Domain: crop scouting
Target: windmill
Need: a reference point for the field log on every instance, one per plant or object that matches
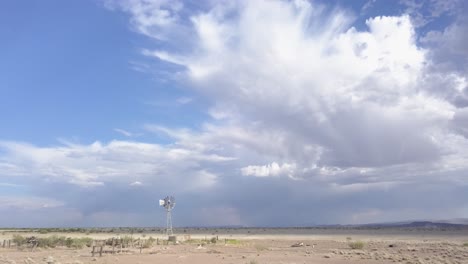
(168, 203)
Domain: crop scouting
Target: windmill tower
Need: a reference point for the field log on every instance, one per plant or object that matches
(168, 203)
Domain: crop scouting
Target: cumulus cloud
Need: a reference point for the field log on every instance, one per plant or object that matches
(286, 76)
(292, 79)
(272, 169)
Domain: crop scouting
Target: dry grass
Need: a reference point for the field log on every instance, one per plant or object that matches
(260, 247)
(356, 245)
(56, 241)
(233, 242)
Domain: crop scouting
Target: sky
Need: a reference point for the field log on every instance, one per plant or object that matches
(250, 113)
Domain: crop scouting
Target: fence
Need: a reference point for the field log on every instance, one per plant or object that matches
(112, 245)
(7, 243)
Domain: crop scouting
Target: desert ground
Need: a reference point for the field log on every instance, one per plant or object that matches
(249, 246)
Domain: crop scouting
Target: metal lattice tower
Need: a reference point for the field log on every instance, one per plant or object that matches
(168, 203)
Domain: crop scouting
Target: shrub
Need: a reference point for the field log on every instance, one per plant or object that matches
(52, 241)
(213, 240)
(233, 241)
(193, 241)
(126, 240)
(356, 245)
(19, 240)
(48, 242)
(56, 241)
(149, 243)
(465, 244)
(81, 242)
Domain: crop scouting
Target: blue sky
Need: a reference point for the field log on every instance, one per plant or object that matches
(339, 111)
(69, 74)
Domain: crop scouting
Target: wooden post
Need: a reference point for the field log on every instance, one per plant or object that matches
(100, 251)
(33, 247)
(157, 241)
(113, 246)
(9, 243)
(121, 244)
(92, 252)
(4, 242)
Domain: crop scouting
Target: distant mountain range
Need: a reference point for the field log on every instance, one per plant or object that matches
(451, 223)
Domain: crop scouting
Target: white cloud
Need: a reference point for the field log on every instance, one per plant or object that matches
(28, 203)
(303, 88)
(136, 183)
(312, 91)
(123, 132)
(273, 169)
(97, 164)
(150, 17)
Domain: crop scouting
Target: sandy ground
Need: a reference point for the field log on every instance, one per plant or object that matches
(269, 246)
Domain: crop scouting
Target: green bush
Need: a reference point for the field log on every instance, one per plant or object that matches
(81, 242)
(356, 245)
(465, 244)
(52, 241)
(233, 242)
(213, 240)
(19, 240)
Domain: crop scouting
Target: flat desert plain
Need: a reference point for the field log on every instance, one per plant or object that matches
(259, 245)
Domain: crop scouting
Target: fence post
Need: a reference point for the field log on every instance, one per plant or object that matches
(100, 251)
